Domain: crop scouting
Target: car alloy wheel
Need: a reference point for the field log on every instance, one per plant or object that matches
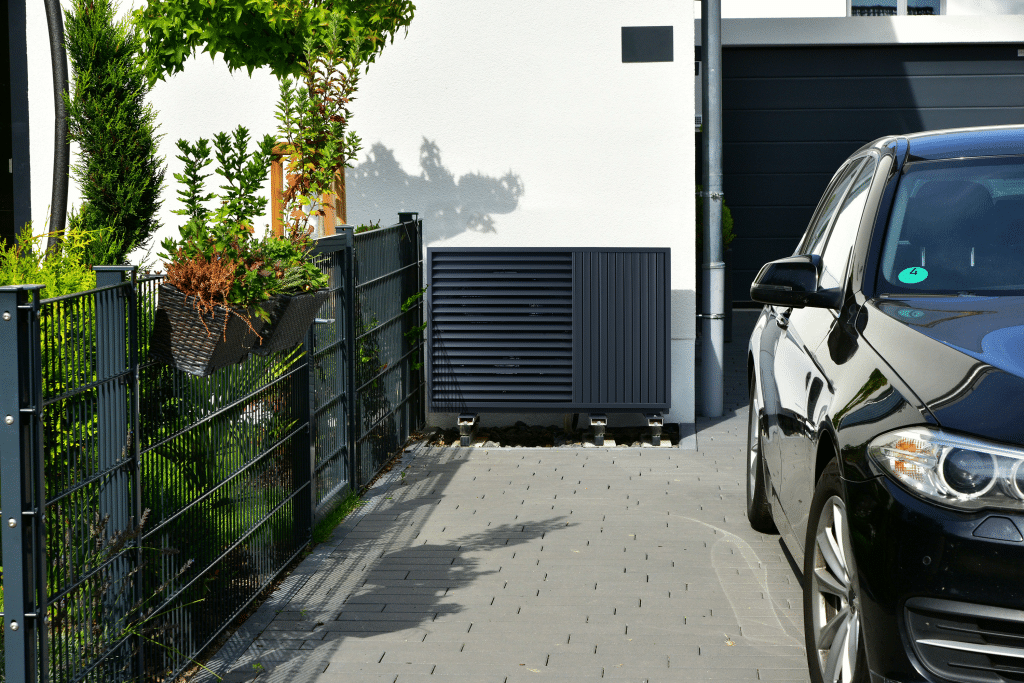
(759, 511)
(832, 621)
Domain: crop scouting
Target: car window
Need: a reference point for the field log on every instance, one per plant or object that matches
(818, 230)
(836, 253)
(956, 227)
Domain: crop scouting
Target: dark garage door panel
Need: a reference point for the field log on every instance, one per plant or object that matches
(867, 92)
(766, 190)
(791, 115)
(889, 60)
(803, 125)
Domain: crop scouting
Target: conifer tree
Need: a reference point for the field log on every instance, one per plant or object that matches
(118, 169)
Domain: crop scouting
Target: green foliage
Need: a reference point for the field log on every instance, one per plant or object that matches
(414, 334)
(196, 157)
(243, 175)
(326, 526)
(366, 228)
(118, 168)
(727, 233)
(313, 117)
(217, 258)
(274, 33)
(62, 271)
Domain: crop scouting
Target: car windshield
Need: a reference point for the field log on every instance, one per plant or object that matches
(957, 227)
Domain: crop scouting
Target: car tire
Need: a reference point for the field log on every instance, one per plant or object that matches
(832, 618)
(759, 509)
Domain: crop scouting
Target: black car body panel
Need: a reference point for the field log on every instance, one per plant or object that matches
(832, 380)
(963, 355)
(907, 548)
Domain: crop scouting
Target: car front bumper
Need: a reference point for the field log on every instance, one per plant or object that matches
(941, 592)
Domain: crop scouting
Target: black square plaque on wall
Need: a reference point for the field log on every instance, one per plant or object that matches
(646, 44)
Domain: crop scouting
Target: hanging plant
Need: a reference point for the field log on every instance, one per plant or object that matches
(227, 291)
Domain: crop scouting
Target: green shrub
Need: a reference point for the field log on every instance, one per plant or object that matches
(63, 270)
(118, 168)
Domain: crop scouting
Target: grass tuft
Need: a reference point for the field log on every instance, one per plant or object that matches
(323, 530)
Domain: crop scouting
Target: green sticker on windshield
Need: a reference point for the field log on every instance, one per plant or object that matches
(912, 276)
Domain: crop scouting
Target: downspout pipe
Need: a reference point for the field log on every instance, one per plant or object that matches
(713, 321)
(61, 145)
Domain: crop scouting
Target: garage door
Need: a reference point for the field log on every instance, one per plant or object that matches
(791, 115)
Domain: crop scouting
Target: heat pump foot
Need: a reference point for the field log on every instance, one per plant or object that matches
(655, 422)
(467, 425)
(598, 422)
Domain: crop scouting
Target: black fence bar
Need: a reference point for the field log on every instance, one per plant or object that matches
(145, 508)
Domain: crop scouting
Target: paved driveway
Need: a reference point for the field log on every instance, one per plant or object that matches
(542, 564)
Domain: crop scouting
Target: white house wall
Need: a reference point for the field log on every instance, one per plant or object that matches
(510, 124)
(502, 124)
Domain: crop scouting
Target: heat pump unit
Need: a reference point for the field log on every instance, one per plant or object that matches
(566, 330)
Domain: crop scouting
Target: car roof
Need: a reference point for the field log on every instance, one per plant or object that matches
(956, 143)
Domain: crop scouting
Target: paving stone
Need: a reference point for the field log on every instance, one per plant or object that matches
(508, 565)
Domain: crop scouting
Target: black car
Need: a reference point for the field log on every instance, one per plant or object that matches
(886, 430)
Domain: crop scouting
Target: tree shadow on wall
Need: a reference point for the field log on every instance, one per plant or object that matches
(378, 188)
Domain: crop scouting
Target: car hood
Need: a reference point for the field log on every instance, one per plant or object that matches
(962, 356)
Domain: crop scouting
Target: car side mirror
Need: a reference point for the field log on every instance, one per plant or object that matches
(793, 283)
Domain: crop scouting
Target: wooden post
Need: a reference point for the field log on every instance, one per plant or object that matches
(341, 200)
(277, 189)
(335, 208)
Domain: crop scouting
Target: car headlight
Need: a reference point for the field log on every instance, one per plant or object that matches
(955, 470)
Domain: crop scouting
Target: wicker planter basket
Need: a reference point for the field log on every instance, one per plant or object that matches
(290, 318)
(181, 339)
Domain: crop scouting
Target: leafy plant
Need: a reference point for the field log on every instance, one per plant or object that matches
(313, 116)
(118, 168)
(413, 334)
(217, 260)
(366, 228)
(273, 33)
(62, 271)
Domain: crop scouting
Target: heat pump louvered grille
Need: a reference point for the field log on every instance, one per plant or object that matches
(502, 328)
(548, 329)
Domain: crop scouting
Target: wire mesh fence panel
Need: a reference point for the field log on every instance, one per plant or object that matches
(330, 376)
(89, 585)
(151, 506)
(388, 319)
(218, 466)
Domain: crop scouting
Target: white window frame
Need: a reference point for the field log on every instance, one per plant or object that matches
(901, 8)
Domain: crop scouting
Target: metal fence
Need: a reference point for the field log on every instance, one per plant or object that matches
(388, 326)
(146, 508)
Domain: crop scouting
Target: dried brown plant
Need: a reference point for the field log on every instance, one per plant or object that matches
(206, 283)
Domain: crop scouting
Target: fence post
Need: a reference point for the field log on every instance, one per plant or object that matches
(347, 258)
(417, 414)
(22, 489)
(120, 497)
(339, 333)
(113, 418)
